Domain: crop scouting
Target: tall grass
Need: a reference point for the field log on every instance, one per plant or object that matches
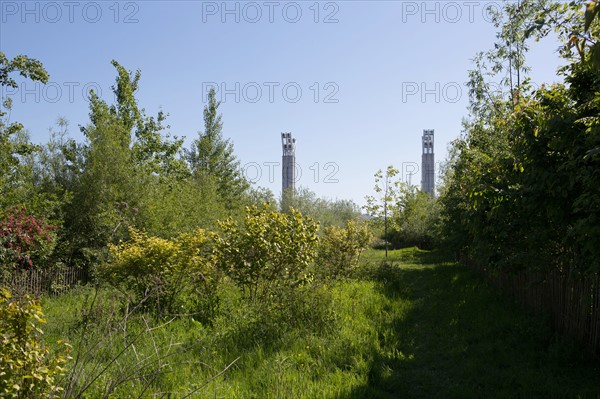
(413, 327)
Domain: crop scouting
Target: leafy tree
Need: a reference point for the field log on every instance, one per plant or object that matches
(418, 222)
(18, 183)
(521, 191)
(385, 200)
(211, 156)
(409, 217)
(59, 162)
(178, 206)
(260, 196)
(125, 158)
(326, 212)
(107, 180)
(11, 149)
(156, 154)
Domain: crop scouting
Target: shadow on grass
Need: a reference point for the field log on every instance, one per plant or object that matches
(462, 340)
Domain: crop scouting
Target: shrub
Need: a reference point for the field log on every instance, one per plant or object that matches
(417, 224)
(26, 241)
(270, 249)
(169, 275)
(27, 368)
(340, 249)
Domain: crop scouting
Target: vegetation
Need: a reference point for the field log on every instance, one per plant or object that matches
(11, 148)
(340, 249)
(415, 326)
(404, 215)
(522, 191)
(25, 241)
(272, 250)
(326, 212)
(211, 156)
(28, 368)
(204, 286)
(170, 276)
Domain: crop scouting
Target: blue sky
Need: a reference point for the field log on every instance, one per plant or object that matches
(356, 82)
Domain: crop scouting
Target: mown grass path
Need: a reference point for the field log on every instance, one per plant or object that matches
(461, 339)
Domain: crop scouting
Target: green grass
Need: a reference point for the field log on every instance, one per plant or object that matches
(416, 327)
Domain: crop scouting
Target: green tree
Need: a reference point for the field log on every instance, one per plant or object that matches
(327, 212)
(126, 156)
(211, 156)
(408, 216)
(107, 181)
(178, 206)
(260, 195)
(417, 222)
(381, 206)
(58, 164)
(10, 148)
(522, 191)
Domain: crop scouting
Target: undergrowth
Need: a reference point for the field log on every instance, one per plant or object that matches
(414, 326)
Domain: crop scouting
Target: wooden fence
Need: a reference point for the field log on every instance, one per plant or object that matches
(51, 282)
(572, 302)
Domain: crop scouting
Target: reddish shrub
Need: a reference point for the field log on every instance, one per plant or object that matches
(25, 239)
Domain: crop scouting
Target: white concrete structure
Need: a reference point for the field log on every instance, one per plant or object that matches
(428, 164)
(288, 162)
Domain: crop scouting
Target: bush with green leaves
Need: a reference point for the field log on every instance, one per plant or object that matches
(340, 249)
(404, 215)
(175, 275)
(417, 223)
(521, 190)
(267, 250)
(28, 369)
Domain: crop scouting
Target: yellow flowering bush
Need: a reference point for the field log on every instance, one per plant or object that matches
(340, 249)
(175, 275)
(270, 249)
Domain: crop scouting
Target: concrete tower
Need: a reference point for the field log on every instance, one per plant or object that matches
(428, 164)
(288, 161)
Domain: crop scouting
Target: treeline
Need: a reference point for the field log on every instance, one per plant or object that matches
(64, 202)
(522, 187)
(521, 201)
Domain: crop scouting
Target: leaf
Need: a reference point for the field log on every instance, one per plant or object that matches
(590, 13)
(591, 153)
(595, 56)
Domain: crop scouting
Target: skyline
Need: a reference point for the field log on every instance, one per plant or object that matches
(355, 82)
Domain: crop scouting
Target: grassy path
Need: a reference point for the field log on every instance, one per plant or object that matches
(460, 339)
(418, 328)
